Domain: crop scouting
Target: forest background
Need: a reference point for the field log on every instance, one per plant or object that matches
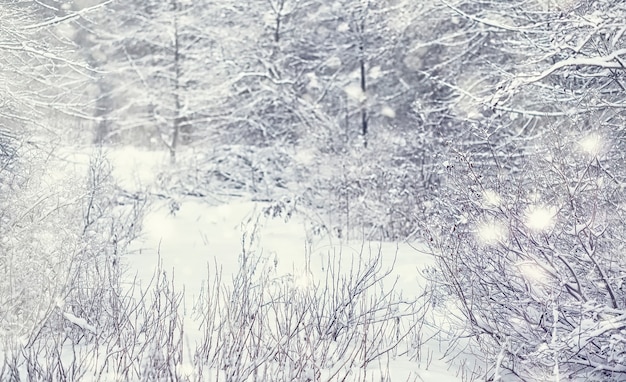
(492, 131)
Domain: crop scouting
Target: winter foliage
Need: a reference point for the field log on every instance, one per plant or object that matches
(484, 138)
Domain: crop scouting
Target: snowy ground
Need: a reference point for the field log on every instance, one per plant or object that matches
(199, 234)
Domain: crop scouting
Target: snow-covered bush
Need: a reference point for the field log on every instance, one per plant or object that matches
(64, 232)
(528, 226)
(108, 222)
(39, 238)
(371, 193)
(232, 170)
(534, 257)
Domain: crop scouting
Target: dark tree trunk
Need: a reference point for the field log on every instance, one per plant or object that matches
(362, 59)
(278, 10)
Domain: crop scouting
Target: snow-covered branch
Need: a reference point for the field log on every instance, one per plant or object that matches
(80, 322)
(491, 23)
(71, 16)
(610, 61)
(23, 47)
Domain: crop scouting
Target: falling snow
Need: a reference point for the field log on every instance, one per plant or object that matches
(592, 144)
(533, 272)
(491, 232)
(311, 137)
(491, 199)
(540, 218)
(388, 112)
(355, 92)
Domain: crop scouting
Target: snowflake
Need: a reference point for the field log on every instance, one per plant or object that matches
(592, 144)
(388, 112)
(491, 199)
(376, 72)
(355, 92)
(540, 218)
(491, 232)
(533, 272)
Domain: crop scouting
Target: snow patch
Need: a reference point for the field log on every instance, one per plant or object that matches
(80, 322)
(313, 81)
(376, 72)
(135, 169)
(333, 62)
(305, 156)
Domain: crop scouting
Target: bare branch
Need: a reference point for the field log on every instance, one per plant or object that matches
(71, 16)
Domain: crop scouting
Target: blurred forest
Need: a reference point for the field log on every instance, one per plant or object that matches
(492, 130)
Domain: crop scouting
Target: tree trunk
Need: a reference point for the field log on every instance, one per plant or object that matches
(364, 90)
(178, 118)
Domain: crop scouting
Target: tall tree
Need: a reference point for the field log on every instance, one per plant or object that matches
(156, 63)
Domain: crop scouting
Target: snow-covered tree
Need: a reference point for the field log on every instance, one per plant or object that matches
(41, 76)
(155, 59)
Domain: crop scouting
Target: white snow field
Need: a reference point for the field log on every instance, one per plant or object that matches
(200, 234)
(237, 242)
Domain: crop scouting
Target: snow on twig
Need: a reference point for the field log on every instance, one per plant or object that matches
(80, 322)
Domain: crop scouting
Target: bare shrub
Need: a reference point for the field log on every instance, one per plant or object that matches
(62, 260)
(303, 327)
